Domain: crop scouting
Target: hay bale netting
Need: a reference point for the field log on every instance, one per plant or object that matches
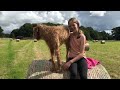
(103, 42)
(87, 47)
(35, 40)
(40, 69)
(17, 40)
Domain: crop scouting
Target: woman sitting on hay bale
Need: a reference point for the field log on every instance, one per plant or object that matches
(77, 60)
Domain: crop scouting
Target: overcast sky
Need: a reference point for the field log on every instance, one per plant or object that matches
(99, 20)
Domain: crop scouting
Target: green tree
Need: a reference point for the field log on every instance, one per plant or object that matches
(93, 33)
(1, 31)
(52, 24)
(86, 32)
(24, 31)
(116, 33)
(14, 33)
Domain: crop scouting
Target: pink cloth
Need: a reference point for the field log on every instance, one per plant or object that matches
(92, 62)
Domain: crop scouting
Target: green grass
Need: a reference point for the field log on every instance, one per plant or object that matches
(21, 61)
(15, 57)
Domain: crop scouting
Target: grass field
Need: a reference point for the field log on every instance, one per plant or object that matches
(15, 57)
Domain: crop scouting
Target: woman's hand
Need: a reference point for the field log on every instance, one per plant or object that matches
(67, 65)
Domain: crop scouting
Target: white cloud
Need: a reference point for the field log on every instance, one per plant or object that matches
(97, 13)
(108, 31)
(10, 20)
(65, 22)
(7, 29)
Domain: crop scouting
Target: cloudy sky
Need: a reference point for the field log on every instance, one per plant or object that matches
(99, 20)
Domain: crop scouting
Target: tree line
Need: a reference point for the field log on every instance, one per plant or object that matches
(26, 31)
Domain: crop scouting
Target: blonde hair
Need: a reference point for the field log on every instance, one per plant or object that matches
(78, 25)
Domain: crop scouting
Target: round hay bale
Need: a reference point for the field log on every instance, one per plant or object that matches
(11, 39)
(35, 40)
(96, 40)
(40, 69)
(87, 47)
(17, 40)
(93, 40)
(103, 42)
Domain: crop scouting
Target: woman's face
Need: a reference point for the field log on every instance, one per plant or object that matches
(73, 27)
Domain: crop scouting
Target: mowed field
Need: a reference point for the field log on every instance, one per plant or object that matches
(15, 57)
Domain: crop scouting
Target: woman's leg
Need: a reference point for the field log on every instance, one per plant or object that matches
(82, 68)
(73, 70)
